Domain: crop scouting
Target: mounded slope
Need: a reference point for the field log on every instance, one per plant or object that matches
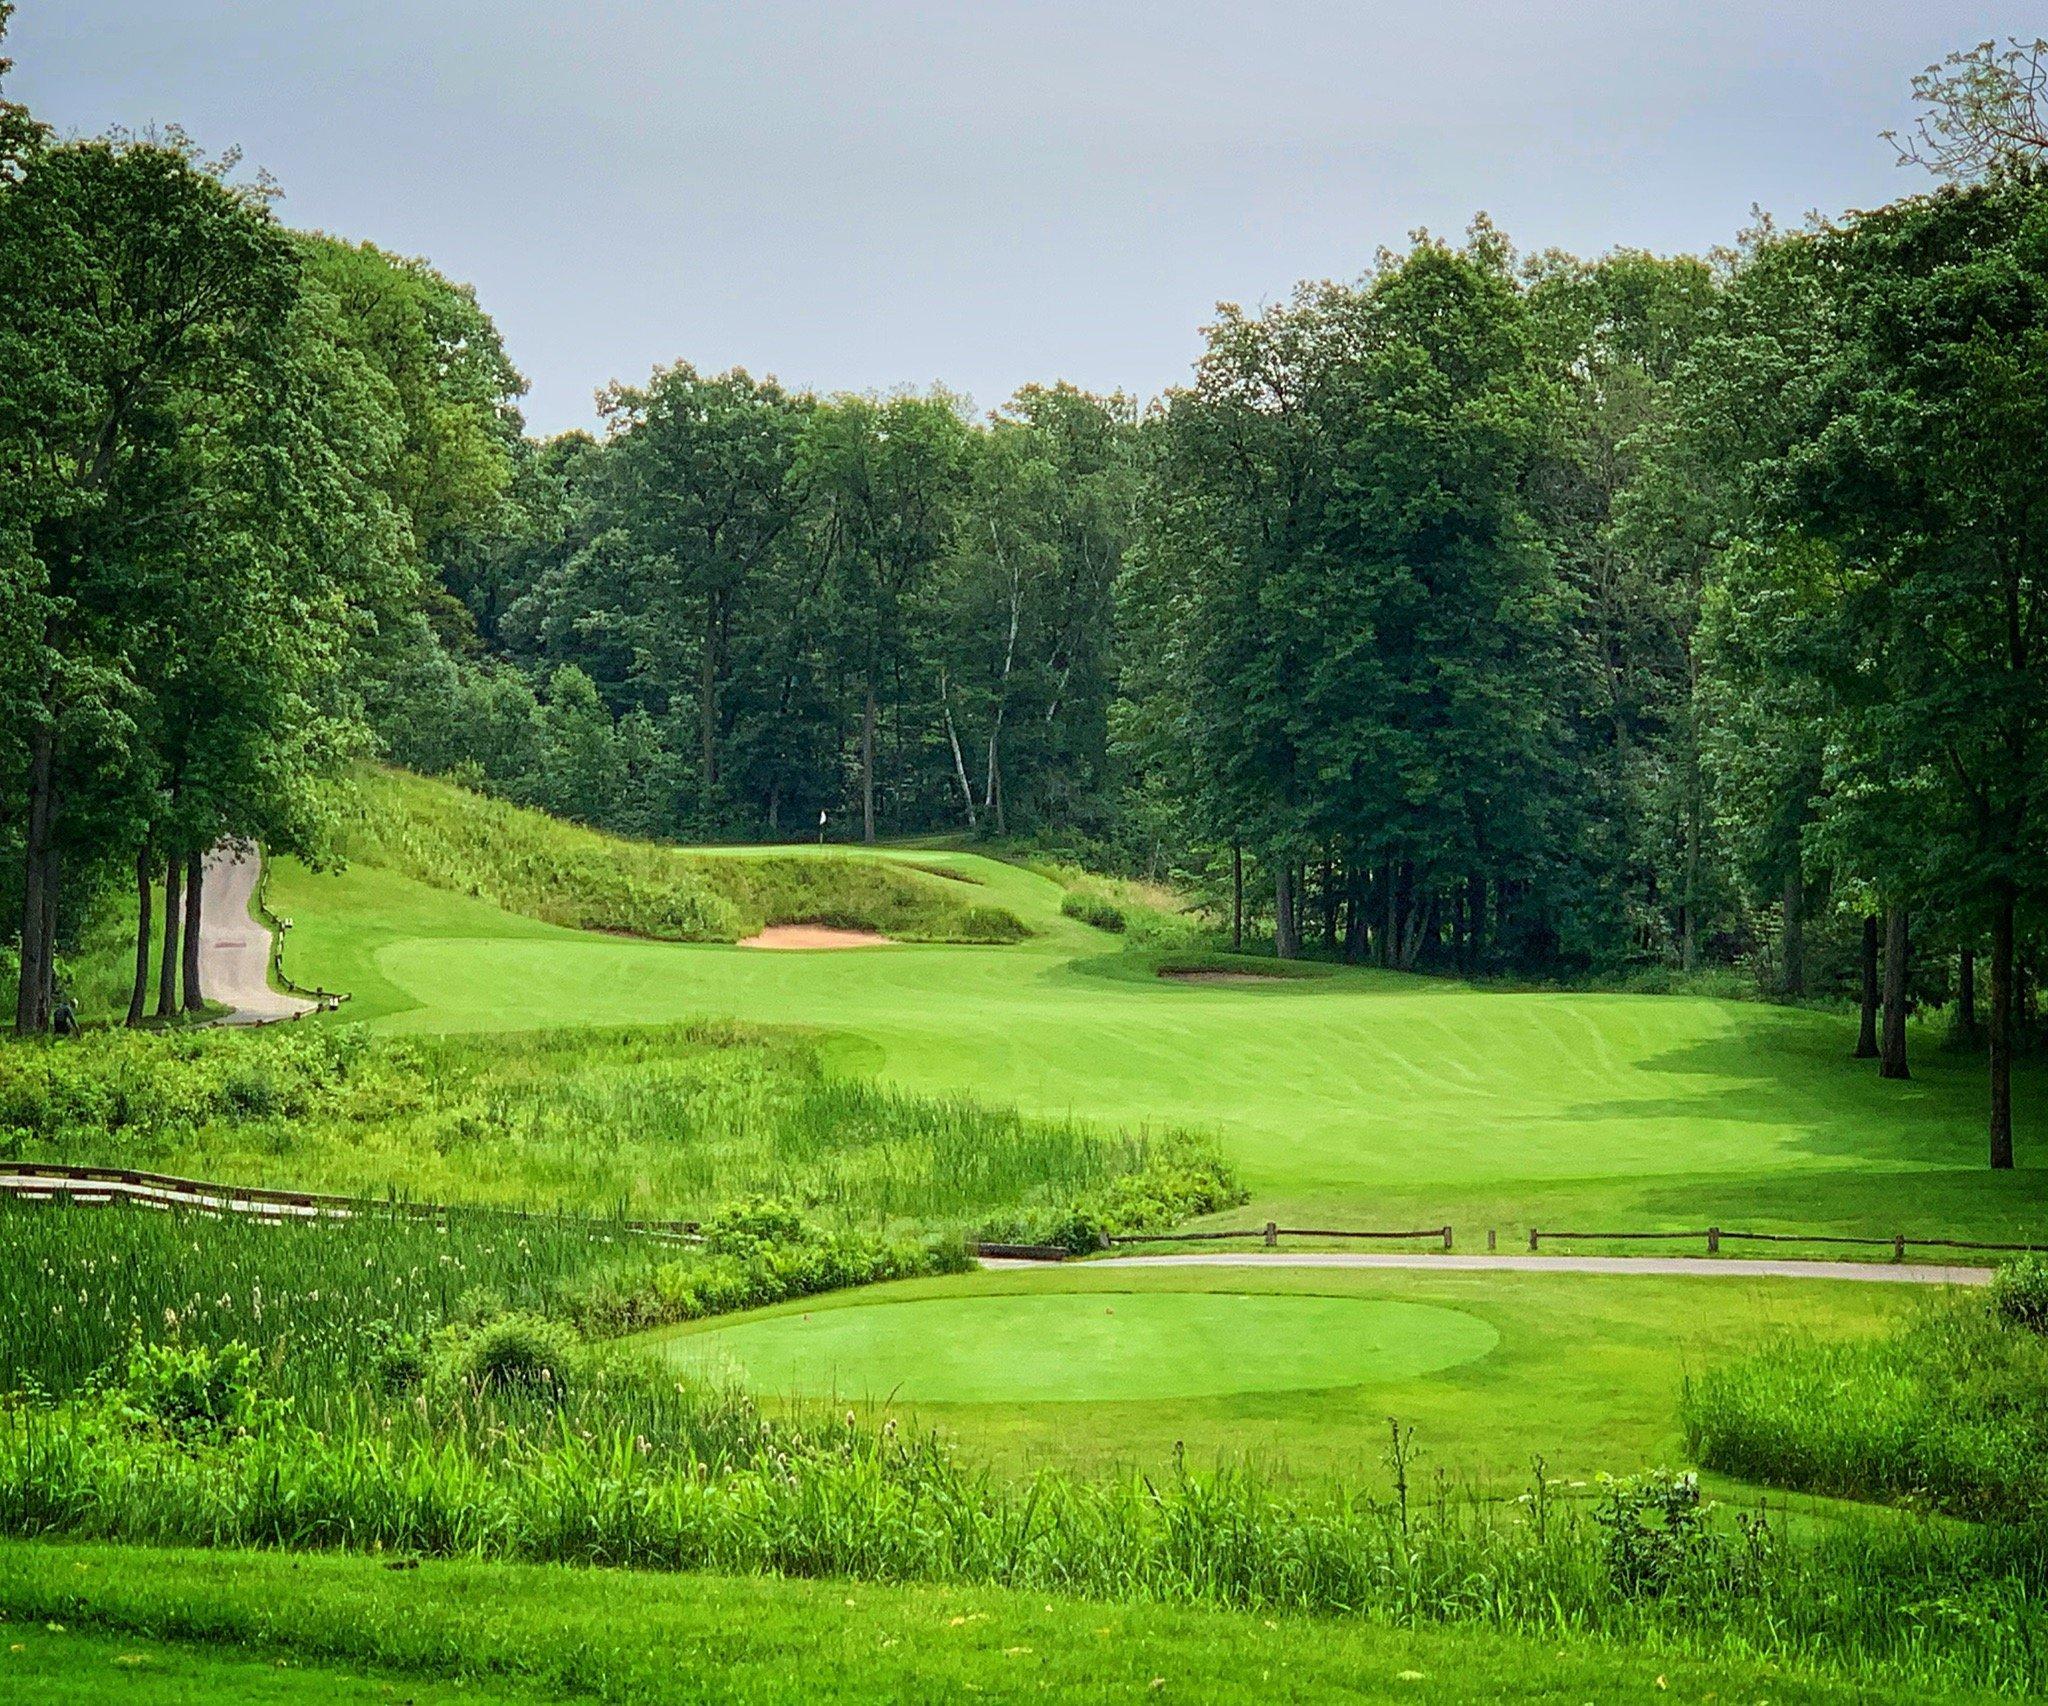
(562, 873)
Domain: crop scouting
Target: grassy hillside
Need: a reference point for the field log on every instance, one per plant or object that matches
(561, 873)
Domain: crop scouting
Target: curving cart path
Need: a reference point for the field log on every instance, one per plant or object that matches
(234, 947)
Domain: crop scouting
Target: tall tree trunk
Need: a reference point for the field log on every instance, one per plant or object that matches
(145, 892)
(1892, 1058)
(991, 799)
(1475, 914)
(707, 705)
(1866, 1034)
(1236, 897)
(1795, 930)
(195, 872)
(1286, 943)
(38, 904)
(2001, 1025)
(1354, 914)
(167, 963)
(959, 760)
(1966, 994)
(867, 765)
(1329, 900)
(46, 954)
(1412, 917)
(1390, 927)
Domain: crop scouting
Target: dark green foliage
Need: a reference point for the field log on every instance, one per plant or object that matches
(1095, 909)
(527, 1355)
(757, 1255)
(2019, 1293)
(190, 1393)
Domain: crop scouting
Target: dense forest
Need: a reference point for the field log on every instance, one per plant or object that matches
(1494, 612)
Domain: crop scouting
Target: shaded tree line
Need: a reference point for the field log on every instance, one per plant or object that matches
(224, 449)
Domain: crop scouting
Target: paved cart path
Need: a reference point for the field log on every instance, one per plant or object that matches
(234, 948)
(1889, 1273)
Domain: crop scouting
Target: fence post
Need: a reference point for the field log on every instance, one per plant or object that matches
(1489, 1241)
(1713, 1240)
(1899, 1247)
(1532, 1238)
(1272, 1233)
(1447, 1237)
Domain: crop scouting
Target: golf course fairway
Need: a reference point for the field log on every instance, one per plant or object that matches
(1116, 1345)
(1350, 1097)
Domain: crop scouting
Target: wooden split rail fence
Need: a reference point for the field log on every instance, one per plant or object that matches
(36, 1182)
(99, 1186)
(1898, 1243)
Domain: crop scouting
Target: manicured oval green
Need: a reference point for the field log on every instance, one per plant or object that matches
(1093, 1346)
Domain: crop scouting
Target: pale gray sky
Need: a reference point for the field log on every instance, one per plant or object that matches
(858, 194)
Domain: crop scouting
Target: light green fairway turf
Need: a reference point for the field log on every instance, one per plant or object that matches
(995, 1348)
(1359, 1098)
(1298, 1369)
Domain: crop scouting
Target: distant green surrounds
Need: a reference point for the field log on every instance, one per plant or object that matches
(1052, 1349)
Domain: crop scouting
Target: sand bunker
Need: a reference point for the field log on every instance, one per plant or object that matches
(813, 936)
(1220, 977)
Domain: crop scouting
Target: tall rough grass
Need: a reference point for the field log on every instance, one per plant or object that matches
(327, 1303)
(683, 1479)
(1949, 1412)
(659, 1124)
(561, 873)
(1151, 915)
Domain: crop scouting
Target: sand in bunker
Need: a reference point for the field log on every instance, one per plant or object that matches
(1220, 977)
(813, 936)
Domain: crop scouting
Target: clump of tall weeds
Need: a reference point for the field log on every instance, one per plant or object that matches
(1949, 1412)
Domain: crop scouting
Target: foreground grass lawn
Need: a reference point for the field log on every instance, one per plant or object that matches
(543, 1633)
(1358, 1098)
(66, 1667)
(1296, 1369)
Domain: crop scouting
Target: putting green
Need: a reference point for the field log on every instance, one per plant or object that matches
(1052, 1349)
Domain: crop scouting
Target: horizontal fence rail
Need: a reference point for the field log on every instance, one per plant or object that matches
(1272, 1234)
(97, 1186)
(1898, 1243)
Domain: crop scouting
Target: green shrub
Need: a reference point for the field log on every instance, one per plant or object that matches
(753, 1254)
(190, 1392)
(2019, 1293)
(524, 1354)
(743, 1228)
(1094, 909)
